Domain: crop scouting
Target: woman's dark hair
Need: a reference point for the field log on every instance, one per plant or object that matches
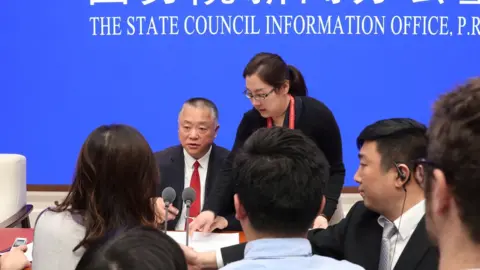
(271, 69)
(141, 248)
(114, 182)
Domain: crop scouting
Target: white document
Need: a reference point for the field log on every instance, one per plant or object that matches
(206, 242)
(29, 251)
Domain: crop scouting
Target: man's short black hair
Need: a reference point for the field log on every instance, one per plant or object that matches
(398, 140)
(205, 102)
(281, 174)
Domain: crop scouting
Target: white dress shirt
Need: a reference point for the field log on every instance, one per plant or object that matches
(202, 170)
(406, 225)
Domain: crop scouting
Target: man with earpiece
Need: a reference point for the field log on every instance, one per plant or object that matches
(392, 198)
(385, 231)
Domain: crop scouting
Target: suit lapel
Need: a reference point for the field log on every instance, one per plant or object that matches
(370, 242)
(416, 248)
(212, 162)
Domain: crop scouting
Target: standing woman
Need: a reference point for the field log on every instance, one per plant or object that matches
(279, 96)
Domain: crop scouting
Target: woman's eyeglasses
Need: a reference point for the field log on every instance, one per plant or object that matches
(258, 97)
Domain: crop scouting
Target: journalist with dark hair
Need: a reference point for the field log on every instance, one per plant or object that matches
(278, 94)
(281, 175)
(386, 230)
(113, 187)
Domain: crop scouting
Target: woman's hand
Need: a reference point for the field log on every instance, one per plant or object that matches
(15, 259)
(160, 211)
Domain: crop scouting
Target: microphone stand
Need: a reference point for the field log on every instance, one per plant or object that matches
(187, 215)
(167, 204)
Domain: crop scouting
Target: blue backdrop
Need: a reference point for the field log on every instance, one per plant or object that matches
(64, 72)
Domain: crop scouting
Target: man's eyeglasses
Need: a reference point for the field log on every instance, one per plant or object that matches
(257, 97)
(423, 161)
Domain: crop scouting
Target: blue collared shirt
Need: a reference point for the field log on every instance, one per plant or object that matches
(286, 253)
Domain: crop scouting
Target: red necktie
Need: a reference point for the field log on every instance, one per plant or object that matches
(195, 184)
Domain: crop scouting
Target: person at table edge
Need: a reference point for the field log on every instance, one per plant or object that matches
(389, 169)
(279, 96)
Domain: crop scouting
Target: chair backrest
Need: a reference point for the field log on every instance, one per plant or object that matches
(13, 184)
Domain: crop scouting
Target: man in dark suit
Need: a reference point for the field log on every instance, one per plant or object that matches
(194, 163)
(452, 177)
(385, 231)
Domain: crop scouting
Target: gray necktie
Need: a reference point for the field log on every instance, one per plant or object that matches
(389, 230)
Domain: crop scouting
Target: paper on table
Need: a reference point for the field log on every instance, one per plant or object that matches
(28, 253)
(206, 242)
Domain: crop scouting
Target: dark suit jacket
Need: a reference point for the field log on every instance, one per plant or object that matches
(357, 239)
(172, 173)
(316, 121)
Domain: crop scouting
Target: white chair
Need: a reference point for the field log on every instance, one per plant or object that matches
(14, 210)
(338, 215)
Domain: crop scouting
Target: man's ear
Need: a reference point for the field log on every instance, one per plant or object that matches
(419, 174)
(240, 212)
(403, 175)
(216, 130)
(285, 87)
(440, 193)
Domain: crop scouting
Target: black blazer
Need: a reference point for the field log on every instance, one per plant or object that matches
(171, 163)
(317, 122)
(357, 239)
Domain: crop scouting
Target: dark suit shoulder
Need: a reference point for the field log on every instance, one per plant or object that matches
(167, 153)
(221, 152)
(359, 212)
(359, 206)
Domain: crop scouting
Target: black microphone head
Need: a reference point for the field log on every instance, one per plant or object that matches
(189, 195)
(169, 195)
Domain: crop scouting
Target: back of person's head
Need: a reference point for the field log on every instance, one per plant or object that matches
(114, 182)
(280, 175)
(140, 248)
(454, 151)
(273, 70)
(398, 140)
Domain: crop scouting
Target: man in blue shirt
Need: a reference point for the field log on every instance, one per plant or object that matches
(281, 176)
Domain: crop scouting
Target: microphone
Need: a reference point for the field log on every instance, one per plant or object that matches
(188, 197)
(168, 195)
